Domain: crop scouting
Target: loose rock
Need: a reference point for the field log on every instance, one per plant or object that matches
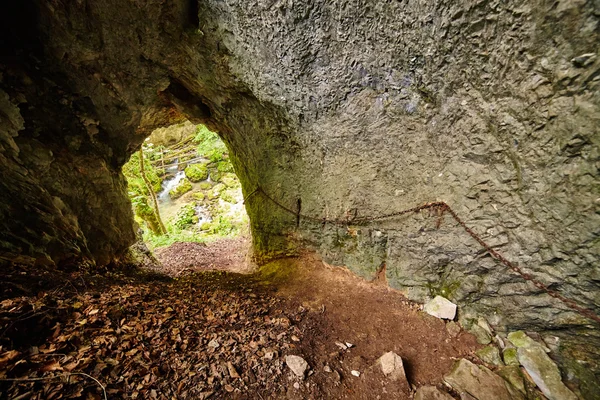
(544, 373)
(480, 382)
(490, 354)
(297, 364)
(453, 329)
(431, 393)
(441, 308)
(392, 366)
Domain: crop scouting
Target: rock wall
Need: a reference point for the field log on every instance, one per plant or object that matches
(344, 108)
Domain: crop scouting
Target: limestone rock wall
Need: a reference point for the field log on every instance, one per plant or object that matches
(344, 107)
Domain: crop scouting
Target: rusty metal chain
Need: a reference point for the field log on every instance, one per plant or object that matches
(440, 208)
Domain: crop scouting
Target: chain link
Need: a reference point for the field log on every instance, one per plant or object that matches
(440, 208)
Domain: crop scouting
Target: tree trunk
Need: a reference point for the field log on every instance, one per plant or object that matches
(152, 194)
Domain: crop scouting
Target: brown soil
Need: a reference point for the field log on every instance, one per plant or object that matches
(146, 338)
(229, 254)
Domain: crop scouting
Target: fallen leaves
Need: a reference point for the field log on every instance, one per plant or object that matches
(192, 338)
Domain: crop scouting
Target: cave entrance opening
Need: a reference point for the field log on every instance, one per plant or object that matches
(187, 173)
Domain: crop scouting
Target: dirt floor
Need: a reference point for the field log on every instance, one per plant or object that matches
(216, 334)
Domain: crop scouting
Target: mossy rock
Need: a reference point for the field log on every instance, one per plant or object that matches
(196, 172)
(215, 175)
(228, 196)
(230, 180)
(205, 185)
(216, 191)
(224, 166)
(198, 196)
(184, 186)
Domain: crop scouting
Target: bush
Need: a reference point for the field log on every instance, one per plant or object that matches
(196, 172)
(210, 145)
(186, 216)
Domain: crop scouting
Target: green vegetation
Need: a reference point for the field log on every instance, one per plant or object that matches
(220, 196)
(210, 145)
(197, 172)
(139, 192)
(182, 188)
(186, 216)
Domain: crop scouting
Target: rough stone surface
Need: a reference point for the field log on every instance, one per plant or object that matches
(480, 382)
(431, 393)
(392, 366)
(441, 308)
(490, 354)
(297, 364)
(540, 367)
(340, 109)
(544, 373)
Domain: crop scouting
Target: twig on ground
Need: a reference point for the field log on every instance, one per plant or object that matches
(67, 374)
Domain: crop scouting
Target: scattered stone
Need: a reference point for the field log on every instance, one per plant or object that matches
(499, 341)
(349, 345)
(510, 356)
(482, 336)
(480, 382)
(327, 368)
(513, 375)
(520, 339)
(341, 345)
(431, 393)
(453, 329)
(295, 338)
(296, 385)
(355, 373)
(441, 308)
(229, 388)
(540, 367)
(392, 366)
(490, 355)
(297, 364)
(544, 373)
(213, 344)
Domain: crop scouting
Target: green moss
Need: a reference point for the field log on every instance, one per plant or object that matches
(229, 196)
(215, 175)
(196, 172)
(210, 145)
(510, 356)
(490, 354)
(216, 191)
(224, 166)
(443, 288)
(198, 196)
(230, 180)
(183, 187)
(205, 185)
